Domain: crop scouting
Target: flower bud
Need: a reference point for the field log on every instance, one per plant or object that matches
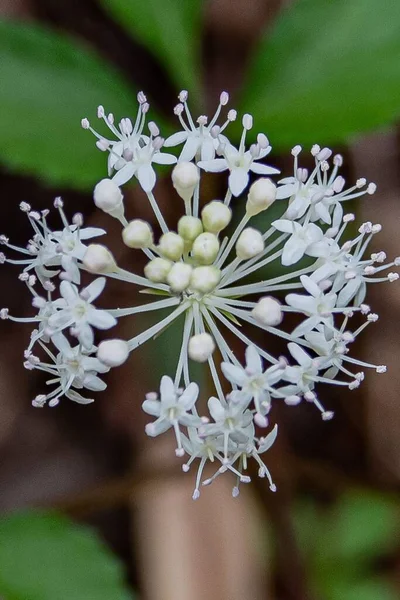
(171, 245)
(157, 270)
(179, 277)
(137, 234)
(189, 228)
(113, 353)
(108, 197)
(249, 244)
(98, 259)
(205, 279)
(185, 177)
(268, 312)
(205, 248)
(261, 195)
(216, 216)
(200, 347)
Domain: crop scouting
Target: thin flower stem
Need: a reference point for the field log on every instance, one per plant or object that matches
(187, 328)
(157, 212)
(159, 304)
(138, 340)
(232, 241)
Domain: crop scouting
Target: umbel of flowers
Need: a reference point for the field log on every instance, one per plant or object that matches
(200, 269)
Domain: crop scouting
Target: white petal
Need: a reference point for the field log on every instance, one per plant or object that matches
(300, 355)
(124, 174)
(310, 286)
(100, 318)
(90, 232)
(261, 169)
(234, 374)
(285, 191)
(175, 139)
(167, 390)
(93, 383)
(190, 148)
(349, 291)
(301, 302)
(213, 166)
(323, 213)
(238, 180)
(293, 250)
(216, 409)
(147, 177)
(73, 395)
(207, 149)
(94, 289)
(189, 396)
(152, 407)
(313, 233)
(253, 360)
(268, 440)
(306, 326)
(86, 336)
(68, 292)
(61, 343)
(283, 225)
(163, 158)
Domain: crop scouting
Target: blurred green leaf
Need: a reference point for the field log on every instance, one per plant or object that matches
(363, 526)
(43, 556)
(48, 83)
(170, 29)
(328, 70)
(367, 589)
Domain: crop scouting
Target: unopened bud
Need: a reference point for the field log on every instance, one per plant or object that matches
(201, 347)
(261, 195)
(189, 228)
(268, 312)
(178, 277)
(137, 234)
(98, 259)
(171, 245)
(205, 248)
(108, 197)
(185, 177)
(113, 353)
(216, 216)
(157, 270)
(205, 279)
(249, 244)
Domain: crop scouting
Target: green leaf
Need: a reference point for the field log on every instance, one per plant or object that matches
(366, 589)
(44, 556)
(170, 29)
(328, 70)
(362, 527)
(48, 83)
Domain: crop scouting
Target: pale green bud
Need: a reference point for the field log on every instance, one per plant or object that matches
(216, 216)
(137, 234)
(249, 244)
(205, 279)
(189, 228)
(113, 353)
(157, 270)
(205, 248)
(171, 245)
(179, 277)
(108, 197)
(201, 347)
(98, 259)
(185, 177)
(268, 311)
(261, 195)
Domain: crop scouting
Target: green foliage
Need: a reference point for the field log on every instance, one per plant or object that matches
(48, 83)
(327, 71)
(342, 545)
(43, 556)
(170, 29)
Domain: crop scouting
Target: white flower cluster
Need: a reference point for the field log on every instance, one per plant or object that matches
(207, 276)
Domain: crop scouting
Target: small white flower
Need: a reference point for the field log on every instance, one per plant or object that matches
(317, 306)
(301, 239)
(76, 311)
(239, 162)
